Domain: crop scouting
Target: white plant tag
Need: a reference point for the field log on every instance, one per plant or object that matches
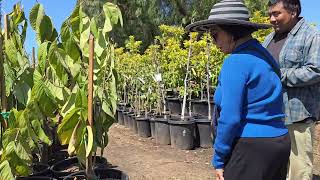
(158, 77)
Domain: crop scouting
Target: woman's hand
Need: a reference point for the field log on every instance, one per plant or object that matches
(219, 174)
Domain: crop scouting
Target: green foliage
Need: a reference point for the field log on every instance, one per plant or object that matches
(171, 51)
(58, 85)
(259, 18)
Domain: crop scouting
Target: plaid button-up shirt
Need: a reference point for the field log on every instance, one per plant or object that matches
(299, 62)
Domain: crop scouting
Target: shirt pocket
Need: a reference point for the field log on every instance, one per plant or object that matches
(293, 58)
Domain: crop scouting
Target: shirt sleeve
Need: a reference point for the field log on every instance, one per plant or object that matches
(309, 73)
(233, 83)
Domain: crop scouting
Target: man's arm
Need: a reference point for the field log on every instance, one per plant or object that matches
(309, 73)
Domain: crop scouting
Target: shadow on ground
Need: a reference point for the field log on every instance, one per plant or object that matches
(316, 177)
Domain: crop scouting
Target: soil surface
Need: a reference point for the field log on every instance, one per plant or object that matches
(143, 159)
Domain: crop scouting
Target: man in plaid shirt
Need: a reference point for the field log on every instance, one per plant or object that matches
(295, 45)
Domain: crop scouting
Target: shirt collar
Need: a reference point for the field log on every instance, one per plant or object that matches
(246, 44)
(295, 29)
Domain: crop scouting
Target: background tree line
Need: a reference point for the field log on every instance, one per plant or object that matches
(142, 18)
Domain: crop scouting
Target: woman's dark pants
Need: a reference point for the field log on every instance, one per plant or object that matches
(259, 159)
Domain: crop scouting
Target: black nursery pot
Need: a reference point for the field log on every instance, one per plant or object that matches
(182, 133)
(58, 156)
(203, 132)
(143, 125)
(101, 173)
(162, 131)
(59, 168)
(126, 118)
(152, 127)
(174, 105)
(134, 124)
(36, 178)
(131, 117)
(120, 117)
(200, 107)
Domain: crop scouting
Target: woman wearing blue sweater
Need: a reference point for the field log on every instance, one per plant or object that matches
(252, 142)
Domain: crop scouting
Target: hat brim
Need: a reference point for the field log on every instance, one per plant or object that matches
(205, 25)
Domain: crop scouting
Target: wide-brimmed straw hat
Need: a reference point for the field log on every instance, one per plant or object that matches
(227, 12)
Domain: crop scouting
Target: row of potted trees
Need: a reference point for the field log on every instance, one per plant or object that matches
(171, 84)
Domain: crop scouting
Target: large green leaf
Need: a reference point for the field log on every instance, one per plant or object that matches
(43, 56)
(24, 32)
(9, 136)
(21, 92)
(100, 44)
(72, 49)
(65, 31)
(74, 21)
(36, 16)
(22, 153)
(40, 132)
(56, 91)
(75, 68)
(11, 52)
(90, 141)
(41, 94)
(93, 27)
(112, 16)
(45, 30)
(84, 42)
(69, 105)
(69, 122)
(57, 61)
(10, 78)
(81, 99)
(5, 171)
(75, 138)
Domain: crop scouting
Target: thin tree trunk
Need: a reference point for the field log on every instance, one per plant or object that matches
(185, 81)
(208, 80)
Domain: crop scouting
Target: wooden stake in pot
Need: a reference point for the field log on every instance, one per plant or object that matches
(89, 170)
(2, 74)
(33, 58)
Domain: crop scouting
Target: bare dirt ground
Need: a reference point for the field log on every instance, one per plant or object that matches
(143, 159)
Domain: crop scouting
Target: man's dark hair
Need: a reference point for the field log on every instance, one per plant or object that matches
(289, 5)
(237, 31)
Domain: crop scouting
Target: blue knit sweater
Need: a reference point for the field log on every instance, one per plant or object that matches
(249, 94)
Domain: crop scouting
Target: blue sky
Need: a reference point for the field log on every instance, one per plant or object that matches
(59, 10)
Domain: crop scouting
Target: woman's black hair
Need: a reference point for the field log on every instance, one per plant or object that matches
(237, 31)
(289, 5)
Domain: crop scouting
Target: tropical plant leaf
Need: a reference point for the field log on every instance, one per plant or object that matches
(22, 153)
(65, 129)
(43, 56)
(40, 132)
(65, 31)
(9, 136)
(45, 30)
(11, 52)
(90, 141)
(21, 92)
(73, 140)
(69, 105)
(72, 49)
(5, 171)
(36, 16)
(56, 59)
